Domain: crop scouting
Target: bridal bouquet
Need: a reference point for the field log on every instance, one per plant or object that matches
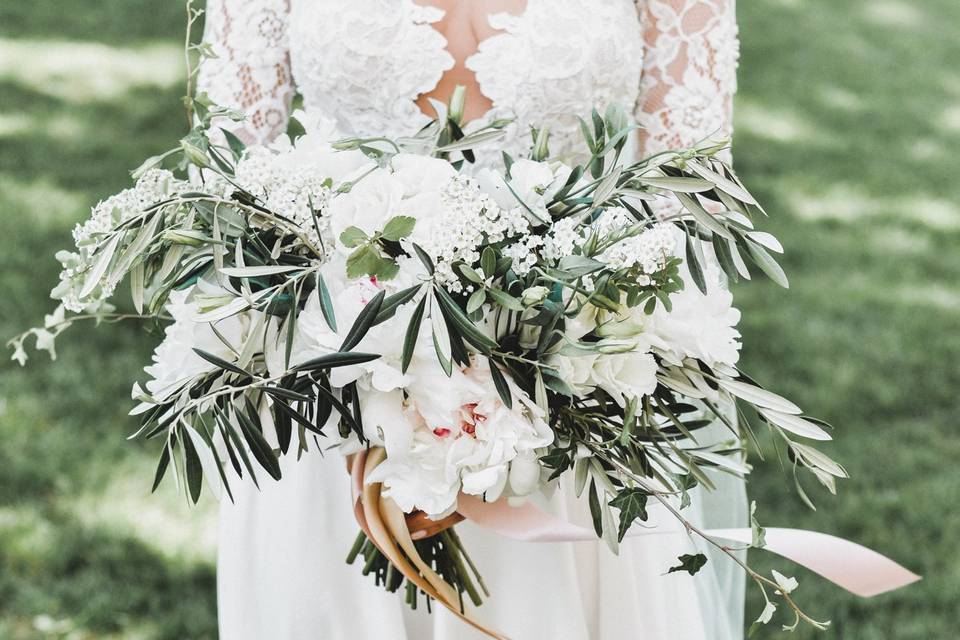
(463, 332)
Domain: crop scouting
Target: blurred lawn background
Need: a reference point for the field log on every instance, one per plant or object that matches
(848, 121)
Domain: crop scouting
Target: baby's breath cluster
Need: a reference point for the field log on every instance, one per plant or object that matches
(471, 220)
(155, 185)
(648, 250)
(294, 191)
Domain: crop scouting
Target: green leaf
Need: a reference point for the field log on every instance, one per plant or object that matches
(221, 363)
(632, 503)
(326, 304)
(767, 264)
(721, 248)
(295, 415)
(100, 266)
(476, 300)
(194, 469)
(758, 535)
(256, 272)
(693, 264)
(595, 512)
(453, 312)
(397, 228)
(441, 338)
(691, 563)
(701, 215)
(336, 359)
(258, 445)
(629, 420)
(393, 302)
(342, 409)
(578, 266)
(413, 332)
(136, 286)
(470, 274)
(237, 147)
(353, 237)
(504, 299)
(364, 261)
(501, 384)
(363, 322)
(424, 258)
(488, 262)
(681, 184)
(161, 468)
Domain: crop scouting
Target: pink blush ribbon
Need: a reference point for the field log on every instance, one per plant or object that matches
(856, 568)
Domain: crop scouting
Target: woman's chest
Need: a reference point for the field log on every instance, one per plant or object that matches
(366, 62)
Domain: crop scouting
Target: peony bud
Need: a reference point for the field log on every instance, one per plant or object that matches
(610, 345)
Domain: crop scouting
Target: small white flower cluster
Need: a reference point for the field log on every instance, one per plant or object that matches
(290, 190)
(470, 220)
(564, 238)
(155, 185)
(649, 250)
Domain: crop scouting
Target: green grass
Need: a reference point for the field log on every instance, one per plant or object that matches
(848, 118)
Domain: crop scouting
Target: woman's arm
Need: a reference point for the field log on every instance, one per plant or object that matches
(250, 67)
(689, 72)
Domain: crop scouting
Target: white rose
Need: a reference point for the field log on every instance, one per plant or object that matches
(625, 375)
(576, 371)
(583, 323)
(175, 361)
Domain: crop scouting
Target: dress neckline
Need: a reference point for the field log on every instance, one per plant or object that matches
(499, 21)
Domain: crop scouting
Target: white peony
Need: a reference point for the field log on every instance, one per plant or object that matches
(314, 337)
(700, 326)
(420, 174)
(369, 204)
(174, 360)
(463, 439)
(534, 183)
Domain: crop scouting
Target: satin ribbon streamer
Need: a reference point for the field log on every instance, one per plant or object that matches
(857, 569)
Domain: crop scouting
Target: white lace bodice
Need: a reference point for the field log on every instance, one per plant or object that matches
(363, 63)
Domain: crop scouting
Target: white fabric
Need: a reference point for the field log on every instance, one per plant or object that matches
(281, 570)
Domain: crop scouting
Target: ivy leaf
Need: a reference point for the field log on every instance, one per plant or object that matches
(353, 237)
(691, 563)
(397, 227)
(632, 503)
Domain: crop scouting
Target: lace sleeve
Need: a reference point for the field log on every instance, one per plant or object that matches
(689, 73)
(250, 67)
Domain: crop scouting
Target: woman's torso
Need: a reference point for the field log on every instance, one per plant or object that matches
(365, 64)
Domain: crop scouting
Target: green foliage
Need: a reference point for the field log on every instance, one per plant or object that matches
(821, 138)
(689, 562)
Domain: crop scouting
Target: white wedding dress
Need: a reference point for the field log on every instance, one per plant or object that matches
(363, 63)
